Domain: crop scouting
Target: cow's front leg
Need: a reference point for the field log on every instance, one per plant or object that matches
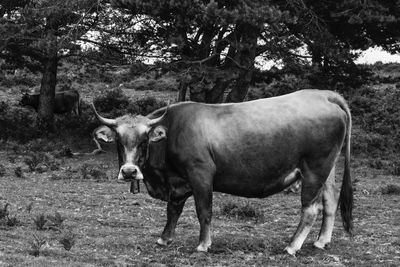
(174, 210)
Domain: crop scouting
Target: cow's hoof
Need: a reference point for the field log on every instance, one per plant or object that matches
(163, 242)
(320, 245)
(290, 251)
(202, 248)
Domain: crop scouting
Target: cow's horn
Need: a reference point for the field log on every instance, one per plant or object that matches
(157, 120)
(105, 121)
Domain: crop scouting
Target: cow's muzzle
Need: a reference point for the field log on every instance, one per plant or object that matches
(129, 173)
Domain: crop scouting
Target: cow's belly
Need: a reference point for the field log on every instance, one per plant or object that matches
(257, 185)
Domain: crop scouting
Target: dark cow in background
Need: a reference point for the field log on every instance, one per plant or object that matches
(64, 102)
(250, 149)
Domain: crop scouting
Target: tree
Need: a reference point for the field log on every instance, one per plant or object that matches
(216, 42)
(37, 34)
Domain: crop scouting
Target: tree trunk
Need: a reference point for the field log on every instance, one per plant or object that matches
(216, 95)
(47, 93)
(316, 56)
(246, 56)
(182, 91)
(239, 92)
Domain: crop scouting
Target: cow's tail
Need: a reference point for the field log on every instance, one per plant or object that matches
(346, 192)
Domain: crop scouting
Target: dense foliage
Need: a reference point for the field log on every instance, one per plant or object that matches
(215, 43)
(212, 45)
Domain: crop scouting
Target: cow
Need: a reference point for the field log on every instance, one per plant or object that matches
(252, 149)
(64, 102)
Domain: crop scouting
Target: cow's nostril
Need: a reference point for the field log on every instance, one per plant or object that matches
(129, 172)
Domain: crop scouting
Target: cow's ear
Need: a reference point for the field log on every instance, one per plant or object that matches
(157, 134)
(105, 134)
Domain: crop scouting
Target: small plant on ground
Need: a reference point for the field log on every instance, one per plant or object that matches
(2, 170)
(55, 221)
(40, 221)
(92, 172)
(41, 162)
(396, 168)
(18, 172)
(4, 211)
(33, 160)
(5, 218)
(12, 221)
(391, 189)
(36, 245)
(68, 240)
(29, 207)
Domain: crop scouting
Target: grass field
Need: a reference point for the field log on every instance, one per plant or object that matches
(112, 227)
(105, 225)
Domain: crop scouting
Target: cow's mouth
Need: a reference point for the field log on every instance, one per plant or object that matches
(128, 180)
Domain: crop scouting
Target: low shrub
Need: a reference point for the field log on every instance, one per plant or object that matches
(4, 211)
(12, 221)
(145, 105)
(36, 244)
(44, 144)
(3, 107)
(67, 240)
(40, 221)
(41, 162)
(376, 163)
(55, 221)
(113, 101)
(2, 170)
(92, 172)
(6, 219)
(29, 207)
(18, 124)
(287, 84)
(21, 78)
(396, 169)
(391, 189)
(376, 113)
(18, 172)
(165, 83)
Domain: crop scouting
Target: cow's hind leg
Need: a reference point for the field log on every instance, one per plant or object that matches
(201, 179)
(314, 177)
(174, 210)
(330, 200)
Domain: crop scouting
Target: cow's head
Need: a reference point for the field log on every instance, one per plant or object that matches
(133, 134)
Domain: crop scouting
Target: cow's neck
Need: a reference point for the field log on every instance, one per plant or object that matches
(156, 184)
